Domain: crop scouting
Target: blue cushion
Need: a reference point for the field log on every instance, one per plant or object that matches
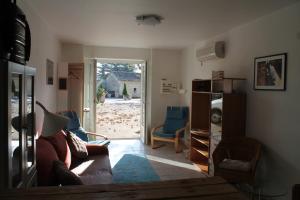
(161, 133)
(174, 113)
(74, 122)
(176, 118)
(172, 125)
(81, 134)
(177, 112)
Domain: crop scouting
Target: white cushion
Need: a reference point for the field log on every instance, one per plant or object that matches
(238, 165)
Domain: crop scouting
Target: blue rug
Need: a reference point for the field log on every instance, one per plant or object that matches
(134, 169)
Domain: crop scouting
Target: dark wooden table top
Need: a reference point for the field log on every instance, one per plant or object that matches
(214, 188)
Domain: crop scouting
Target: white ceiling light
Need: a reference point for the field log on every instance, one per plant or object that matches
(150, 20)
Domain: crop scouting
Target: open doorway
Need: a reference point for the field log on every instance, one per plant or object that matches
(120, 98)
(75, 88)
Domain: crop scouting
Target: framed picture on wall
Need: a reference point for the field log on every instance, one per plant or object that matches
(49, 72)
(270, 72)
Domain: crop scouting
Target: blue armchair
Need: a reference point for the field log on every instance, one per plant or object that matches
(173, 129)
(75, 127)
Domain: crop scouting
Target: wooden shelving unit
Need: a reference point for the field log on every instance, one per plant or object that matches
(204, 153)
(214, 114)
(202, 141)
(200, 148)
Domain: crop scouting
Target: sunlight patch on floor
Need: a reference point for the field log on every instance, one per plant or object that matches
(172, 162)
(115, 160)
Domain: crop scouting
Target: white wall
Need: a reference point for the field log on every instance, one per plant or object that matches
(62, 95)
(44, 45)
(165, 65)
(72, 53)
(272, 116)
(116, 53)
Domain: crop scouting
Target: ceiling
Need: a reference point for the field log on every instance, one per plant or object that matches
(112, 22)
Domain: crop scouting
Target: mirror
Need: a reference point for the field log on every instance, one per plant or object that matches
(216, 113)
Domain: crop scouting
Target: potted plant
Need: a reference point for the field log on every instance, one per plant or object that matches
(101, 93)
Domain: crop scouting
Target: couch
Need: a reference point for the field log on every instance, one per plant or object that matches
(95, 169)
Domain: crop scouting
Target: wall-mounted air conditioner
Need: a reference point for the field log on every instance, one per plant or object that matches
(210, 52)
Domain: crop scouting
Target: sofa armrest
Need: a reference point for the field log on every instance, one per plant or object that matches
(94, 149)
(96, 134)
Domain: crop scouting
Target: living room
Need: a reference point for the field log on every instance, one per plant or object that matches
(249, 30)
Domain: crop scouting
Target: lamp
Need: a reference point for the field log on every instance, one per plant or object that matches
(52, 122)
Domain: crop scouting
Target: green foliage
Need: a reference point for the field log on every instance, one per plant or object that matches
(103, 69)
(100, 92)
(125, 93)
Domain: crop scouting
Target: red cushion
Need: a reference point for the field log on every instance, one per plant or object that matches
(59, 141)
(64, 175)
(96, 149)
(45, 155)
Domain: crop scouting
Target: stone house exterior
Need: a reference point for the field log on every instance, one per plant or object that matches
(115, 84)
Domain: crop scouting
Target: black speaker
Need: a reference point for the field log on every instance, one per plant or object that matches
(15, 38)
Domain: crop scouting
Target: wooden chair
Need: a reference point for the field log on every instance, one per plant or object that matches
(173, 129)
(75, 127)
(241, 149)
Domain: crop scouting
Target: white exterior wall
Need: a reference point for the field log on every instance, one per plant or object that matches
(130, 85)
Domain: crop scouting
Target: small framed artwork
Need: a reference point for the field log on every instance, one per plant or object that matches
(49, 72)
(62, 83)
(270, 72)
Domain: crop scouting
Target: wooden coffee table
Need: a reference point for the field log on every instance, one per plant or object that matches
(214, 188)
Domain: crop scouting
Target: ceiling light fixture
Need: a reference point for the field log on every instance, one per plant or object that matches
(150, 20)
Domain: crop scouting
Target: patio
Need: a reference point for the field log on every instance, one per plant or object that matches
(118, 118)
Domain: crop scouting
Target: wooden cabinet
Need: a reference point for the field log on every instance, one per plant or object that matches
(17, 125)
(213, 117)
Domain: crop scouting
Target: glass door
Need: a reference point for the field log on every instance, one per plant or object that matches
(29, 119)
(15, 129)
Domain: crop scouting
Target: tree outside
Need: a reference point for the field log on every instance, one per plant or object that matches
(125, 93)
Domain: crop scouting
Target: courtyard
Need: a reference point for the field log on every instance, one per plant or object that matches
(117, 118)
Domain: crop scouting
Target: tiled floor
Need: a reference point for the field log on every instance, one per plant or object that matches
(167, 164)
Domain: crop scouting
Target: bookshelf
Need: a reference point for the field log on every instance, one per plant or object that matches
(214, 115)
